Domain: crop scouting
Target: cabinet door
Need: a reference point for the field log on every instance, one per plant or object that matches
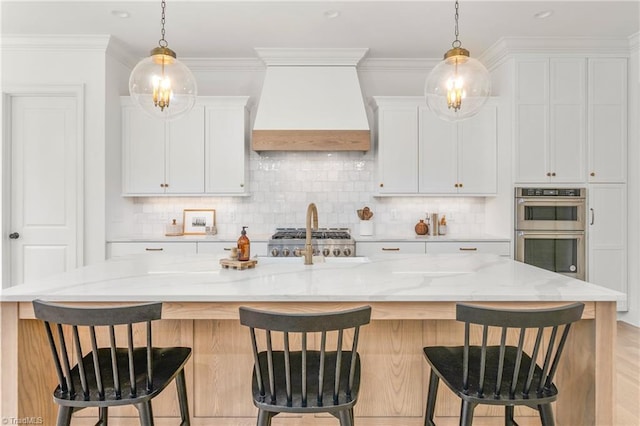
(143, 152)
(438, 152)
(477, 163)
(467, 247)
(567, 120)
(607, 237)
(531, 121)
(370, 248)
(128, 248)
(607, 114)
(225, 149)
(397, 148)
(184, 169)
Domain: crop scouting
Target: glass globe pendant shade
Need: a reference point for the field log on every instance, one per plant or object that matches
(162, 85)
(458, 86)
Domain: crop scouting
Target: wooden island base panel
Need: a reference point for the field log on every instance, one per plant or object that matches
(413, 300)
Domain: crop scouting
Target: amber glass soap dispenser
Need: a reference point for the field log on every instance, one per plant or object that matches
(243, 245)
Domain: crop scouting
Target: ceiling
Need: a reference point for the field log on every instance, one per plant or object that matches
(390, 29)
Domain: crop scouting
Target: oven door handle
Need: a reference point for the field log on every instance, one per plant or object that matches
(593, 216)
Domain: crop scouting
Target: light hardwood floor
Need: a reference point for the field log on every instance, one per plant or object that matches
(628, 375)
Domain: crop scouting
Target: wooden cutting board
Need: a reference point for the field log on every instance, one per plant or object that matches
(238, 264)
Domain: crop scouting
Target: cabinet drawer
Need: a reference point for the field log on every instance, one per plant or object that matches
(501, 248)
(124, 249)
(222, 248)
(406, 247)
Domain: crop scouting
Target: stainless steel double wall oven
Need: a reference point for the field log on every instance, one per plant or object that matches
(550, 226)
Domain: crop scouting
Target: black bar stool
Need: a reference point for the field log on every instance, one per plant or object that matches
(303, 380)
(502, 374)
(104, 377)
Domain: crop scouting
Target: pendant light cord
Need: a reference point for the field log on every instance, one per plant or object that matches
(163, 43)
(456, 42)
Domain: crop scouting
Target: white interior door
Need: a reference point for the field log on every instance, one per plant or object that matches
(44, 186)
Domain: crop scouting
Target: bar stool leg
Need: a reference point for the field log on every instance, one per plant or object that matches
(434, 380)
(182, 399)
(64, 416)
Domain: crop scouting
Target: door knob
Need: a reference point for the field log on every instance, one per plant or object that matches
(14, 235)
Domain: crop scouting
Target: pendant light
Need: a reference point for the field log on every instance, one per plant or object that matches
(458, 86)
(162, 85)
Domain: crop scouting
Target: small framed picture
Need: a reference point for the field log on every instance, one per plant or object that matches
(197, 221)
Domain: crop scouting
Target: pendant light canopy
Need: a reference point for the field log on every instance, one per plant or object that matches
(458, 86)
(162, 85)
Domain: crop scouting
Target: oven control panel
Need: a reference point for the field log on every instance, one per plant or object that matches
(549, 192)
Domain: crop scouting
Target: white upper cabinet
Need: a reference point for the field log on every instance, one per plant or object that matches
(419, 153)
(200, 153)
(226, 142)
(607, 118)
(397, 148)
(570, 120)
(458, 158)
(550, 108)
(184, 162)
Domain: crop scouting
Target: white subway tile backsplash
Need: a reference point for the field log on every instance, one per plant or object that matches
(282, 184)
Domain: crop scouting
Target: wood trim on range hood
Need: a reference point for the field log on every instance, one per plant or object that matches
(311, 100)
(311, 140)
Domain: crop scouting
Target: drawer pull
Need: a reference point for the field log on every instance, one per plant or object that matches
(154, 249)
(390, 248)
(468, 249)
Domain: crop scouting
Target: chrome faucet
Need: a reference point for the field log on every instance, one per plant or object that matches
(312, 211)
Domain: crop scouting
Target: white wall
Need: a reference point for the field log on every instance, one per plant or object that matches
(80, 61)
(118, 211)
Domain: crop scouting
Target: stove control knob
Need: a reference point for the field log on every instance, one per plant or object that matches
(285, 252)
(297, 252)
(326, 252)
(275, 252)
(347, 251)
(336, 252)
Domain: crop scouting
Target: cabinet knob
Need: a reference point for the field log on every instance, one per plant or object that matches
(459, 185)
(592, 173)
(381, 185)
(548, 174)
(553, 174)
(242, 185)
(455, 186)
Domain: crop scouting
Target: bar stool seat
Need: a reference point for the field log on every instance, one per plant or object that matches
(495, 372)
(113, 375)
(298, 379)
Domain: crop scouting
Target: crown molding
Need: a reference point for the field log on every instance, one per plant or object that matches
(634, 42)
(120, 52)
(311, 56)
(224, 64)
(398, 64)
(54, 42)
(550, 46)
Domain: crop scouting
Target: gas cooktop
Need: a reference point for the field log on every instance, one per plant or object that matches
(288, 242)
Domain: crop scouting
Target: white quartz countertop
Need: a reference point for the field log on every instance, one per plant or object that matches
(265, 238)
(396, 277)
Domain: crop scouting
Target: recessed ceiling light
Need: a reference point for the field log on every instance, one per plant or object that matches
(543, 14)
(331, 14)
(120, 13)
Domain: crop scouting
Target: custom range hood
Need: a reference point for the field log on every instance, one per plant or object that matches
(311, 101)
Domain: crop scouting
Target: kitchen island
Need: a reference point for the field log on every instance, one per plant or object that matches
(413, 299)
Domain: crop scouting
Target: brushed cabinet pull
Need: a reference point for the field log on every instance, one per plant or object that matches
(468, 249)
(154, 249)
(593, 216)
(390, 248)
